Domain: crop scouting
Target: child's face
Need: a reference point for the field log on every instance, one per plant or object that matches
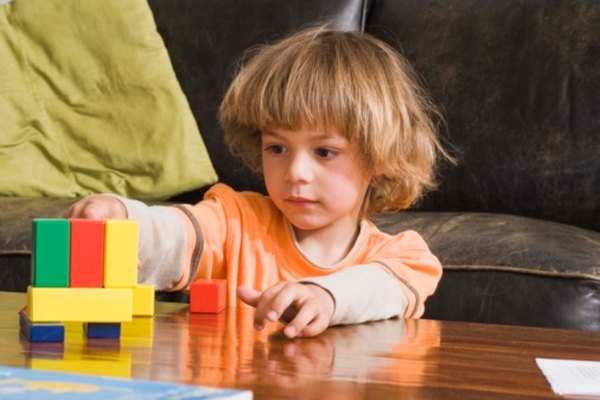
(317, 179)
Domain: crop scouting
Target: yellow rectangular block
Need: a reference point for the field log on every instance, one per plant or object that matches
(120, 253)
(143, 300)
(79, 304)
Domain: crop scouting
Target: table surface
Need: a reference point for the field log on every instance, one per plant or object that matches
(416, 359)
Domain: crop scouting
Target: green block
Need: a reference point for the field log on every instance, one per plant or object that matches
(51, 248)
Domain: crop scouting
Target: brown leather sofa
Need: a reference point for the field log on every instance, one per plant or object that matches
(516, 222)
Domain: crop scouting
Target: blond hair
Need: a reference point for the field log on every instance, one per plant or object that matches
(321, 77)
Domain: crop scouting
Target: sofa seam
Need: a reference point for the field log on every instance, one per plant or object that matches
(15, 252)
(521, 270)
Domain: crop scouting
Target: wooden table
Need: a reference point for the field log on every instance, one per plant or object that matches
(416, 359)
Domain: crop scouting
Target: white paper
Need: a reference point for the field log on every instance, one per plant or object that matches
(572, 377)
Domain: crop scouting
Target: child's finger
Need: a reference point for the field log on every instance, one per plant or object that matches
(74, 211)
(318, 325)
(287, 295)
(94, 210)
(248, 295)
(264, 310)
(306, 316)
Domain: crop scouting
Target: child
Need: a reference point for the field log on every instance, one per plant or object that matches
(337, 126)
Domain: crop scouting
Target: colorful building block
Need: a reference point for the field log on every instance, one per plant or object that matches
(97, 330)
(98, 258)
(208, 296)
(87, 253)
(79, 304)
(50, 257)
(143, 300)
(40, 332)
(120, 253)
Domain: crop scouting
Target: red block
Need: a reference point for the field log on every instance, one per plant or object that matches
(87, 253)
(208, 296)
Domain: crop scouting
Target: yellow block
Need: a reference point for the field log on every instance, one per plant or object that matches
(79, 304)
(143, 300)
(120, 253)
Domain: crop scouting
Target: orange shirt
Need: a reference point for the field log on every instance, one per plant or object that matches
(243, 238)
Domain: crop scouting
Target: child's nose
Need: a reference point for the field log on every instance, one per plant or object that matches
(299, 168)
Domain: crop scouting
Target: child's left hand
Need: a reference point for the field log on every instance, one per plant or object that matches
(307, 308)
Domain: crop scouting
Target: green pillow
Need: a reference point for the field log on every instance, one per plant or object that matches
(89, 103)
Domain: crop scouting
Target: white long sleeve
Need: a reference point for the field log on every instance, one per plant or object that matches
(162, 241)
(379, 296)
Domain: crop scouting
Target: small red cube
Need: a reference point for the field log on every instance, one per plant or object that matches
(208, 296)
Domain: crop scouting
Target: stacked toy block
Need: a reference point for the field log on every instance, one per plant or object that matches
(84, 270)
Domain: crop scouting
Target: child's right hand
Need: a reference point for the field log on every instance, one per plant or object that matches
(305, 307)
(97, 206)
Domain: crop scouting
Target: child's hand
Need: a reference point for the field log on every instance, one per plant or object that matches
(307, 308)
(97, 207)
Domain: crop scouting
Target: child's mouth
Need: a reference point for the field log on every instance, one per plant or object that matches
(300, 201)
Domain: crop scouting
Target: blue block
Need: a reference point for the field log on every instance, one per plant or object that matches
(96, 330)
(41, 332)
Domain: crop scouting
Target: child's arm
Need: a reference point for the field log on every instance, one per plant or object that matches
(363, 293)
(394, 281)
(162, 239)
(355, 295)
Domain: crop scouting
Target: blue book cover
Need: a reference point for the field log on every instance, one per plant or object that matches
(23, 383)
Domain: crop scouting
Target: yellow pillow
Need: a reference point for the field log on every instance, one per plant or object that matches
(89, 103)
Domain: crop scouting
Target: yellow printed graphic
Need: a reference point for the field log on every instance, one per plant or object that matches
(51, 386)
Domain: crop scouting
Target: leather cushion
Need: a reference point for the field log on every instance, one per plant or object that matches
(518, 83)
(509, 269)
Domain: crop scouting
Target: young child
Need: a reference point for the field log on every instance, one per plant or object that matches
(337, 126)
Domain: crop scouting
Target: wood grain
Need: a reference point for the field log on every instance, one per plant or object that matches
(416, 359)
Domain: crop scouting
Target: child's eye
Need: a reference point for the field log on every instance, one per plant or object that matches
(325, 153)
(275, 149)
